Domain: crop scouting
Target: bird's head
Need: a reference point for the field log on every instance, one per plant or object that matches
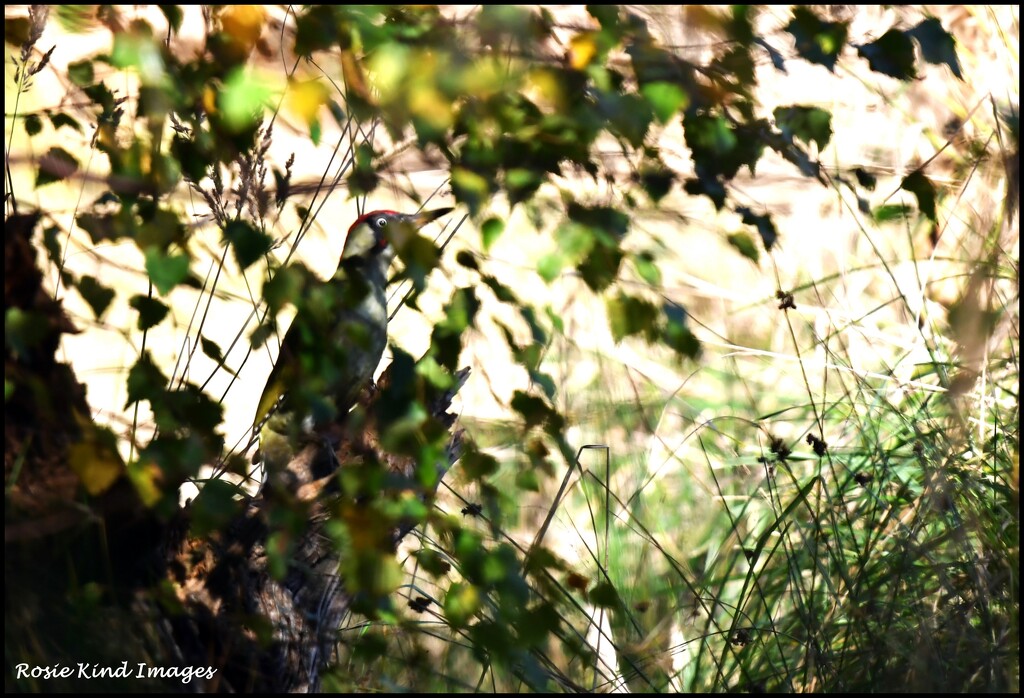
(375, 234)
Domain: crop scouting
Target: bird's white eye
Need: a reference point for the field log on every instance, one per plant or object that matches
(382, 222)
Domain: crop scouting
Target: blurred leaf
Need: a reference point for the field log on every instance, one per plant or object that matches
(317, 28)
(243, 98)
(527, 480)
(145, 381)
(745, 245)
(304, 99)
(211, 349)
(628, 315)
(763, 223)
(665, 98)
(809, 124)
(55, 165)
(81, 73)
(817, 41)
(214, 507)
(937, 45)
(582, 49)
(605, 595)
(166, 270)
(159, 229)
(921, 187)
(533, 409)
(173, 15)
(647, 268)
(98, 296)
(76, 19)
(470, 189)
(477, 465)
(600, 268)
(889, 212)
(656, 179)
(460, 604)
(60, 120)
(432, 561)
(550, 266)
(246, 242)
(94, 457)
(491, 229)
(17, 31)
(865, 178)
(677, 334)
(777, 60)
(33, 124)
(24, 330)
(891, 54)
(708, 186)
(151, 311)
(244, 23)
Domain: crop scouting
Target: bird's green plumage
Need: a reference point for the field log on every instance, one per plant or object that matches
(332, 348)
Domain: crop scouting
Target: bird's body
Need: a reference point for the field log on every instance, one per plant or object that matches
(335, 343)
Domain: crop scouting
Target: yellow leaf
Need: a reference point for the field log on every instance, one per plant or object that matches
(244, 23)
(355, 79)
(304, 99)
(147, 478)
(94, 457)
(582, 49)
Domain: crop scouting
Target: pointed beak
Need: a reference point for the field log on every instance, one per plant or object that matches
(418, 220)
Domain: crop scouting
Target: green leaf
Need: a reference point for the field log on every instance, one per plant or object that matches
(889, 212)
(159, 229)
(550, 266)
(817, 41)
(533, 409)
(151, 311)
(745, 245)
(470, 189)
(98, 296)
(100, 228)
(665, 98)
(809, 124)
(647, 268)
(55, 165)
(921, 187)
(527, 480)
(166, 270)
(490, 231)
(604, 595)
(628, 315)
(937, 45)
(477, 465)
(246, 242)
(145, 381)
(81, 73)
(600, 268)
(243, 98)
(286, 286)
(460, 604)
(891, 54)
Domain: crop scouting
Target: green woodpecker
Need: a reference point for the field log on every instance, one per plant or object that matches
(356, 332)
